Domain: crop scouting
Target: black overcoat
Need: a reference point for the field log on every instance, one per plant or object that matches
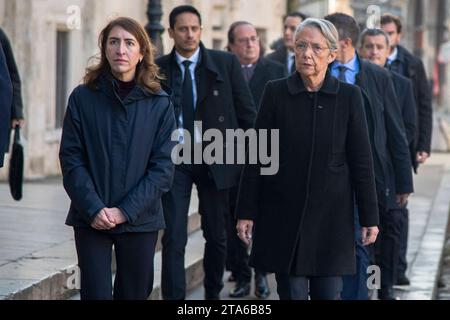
(325, 159)
(224, 101)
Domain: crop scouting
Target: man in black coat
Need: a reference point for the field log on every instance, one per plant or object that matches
(243, 41)
(403, 62)
(17, 116)
(207, 86)
(375, 47)
(389, 148)
(285, 53)
(5, 105)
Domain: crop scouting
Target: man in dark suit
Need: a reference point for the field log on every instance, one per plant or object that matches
(244, 42)
(207, 86)
(403, 62)
(375, 48)
(285, 53)
(5, 105)
(389, 149)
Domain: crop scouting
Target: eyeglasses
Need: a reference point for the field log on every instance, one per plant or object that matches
(303, 46)
(243, 41)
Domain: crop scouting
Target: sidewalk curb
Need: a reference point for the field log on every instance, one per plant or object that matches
(425, 270)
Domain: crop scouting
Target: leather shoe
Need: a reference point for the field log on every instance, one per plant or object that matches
(231, 278)
(210, 296)
(262, 290)
(402, 281)
(387, 294)
(241, 290)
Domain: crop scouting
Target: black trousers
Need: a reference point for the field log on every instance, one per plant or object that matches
(213, 208)
(388, 246)
(317, 288)
(134, 256)
(404, 230)
(237, 251)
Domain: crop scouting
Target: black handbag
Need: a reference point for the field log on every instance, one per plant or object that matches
(16, 165)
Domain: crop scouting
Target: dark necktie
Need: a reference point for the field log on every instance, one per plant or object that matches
(248, 72)
(293, 67)
(342, 71)
(188, 100)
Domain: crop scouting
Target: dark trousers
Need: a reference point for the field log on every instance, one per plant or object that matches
(388, 245)
(134, 256)
(403, 247)
(355, 286)
(237, 251)
(213, 208)
(318, 288)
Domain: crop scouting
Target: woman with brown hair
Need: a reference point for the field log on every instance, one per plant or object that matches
(116, 162)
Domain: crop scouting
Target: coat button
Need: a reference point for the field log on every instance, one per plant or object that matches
(221, 119)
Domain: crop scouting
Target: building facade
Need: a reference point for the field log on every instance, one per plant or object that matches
(54, 39)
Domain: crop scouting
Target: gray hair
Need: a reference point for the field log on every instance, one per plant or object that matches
(326, 28)
(373, 33)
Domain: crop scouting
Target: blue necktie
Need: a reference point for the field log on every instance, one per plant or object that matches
(342, 71)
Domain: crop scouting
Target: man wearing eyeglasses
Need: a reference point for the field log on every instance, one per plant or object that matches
(285, 53)
(390, 153)
(244, 42)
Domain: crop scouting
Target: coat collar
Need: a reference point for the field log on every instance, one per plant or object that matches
(296, 86)
(205, 61)
(107, 84)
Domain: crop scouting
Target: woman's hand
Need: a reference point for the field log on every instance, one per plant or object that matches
(244, 230)
(102, 222)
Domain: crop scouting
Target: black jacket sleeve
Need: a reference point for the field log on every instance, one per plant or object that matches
(77, 180)
(249, 190)
(424, 108)
(396, 140)
(409, 112)
(17, 110)
(360, 160)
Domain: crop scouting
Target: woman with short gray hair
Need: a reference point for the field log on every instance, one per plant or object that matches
(302, 217)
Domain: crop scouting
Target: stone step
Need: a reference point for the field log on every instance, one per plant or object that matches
(193, 267)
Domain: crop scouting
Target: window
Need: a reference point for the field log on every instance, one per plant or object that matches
(62, 62)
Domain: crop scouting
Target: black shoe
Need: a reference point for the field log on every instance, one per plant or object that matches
(231, 278)
(387, 294)
(241, 290)
(262, 290)
(403, 281)
(209, 296)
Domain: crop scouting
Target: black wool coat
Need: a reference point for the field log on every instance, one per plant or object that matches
(280, 56)
(224, 101)
(265, 71)
(304, 213)
(412, 67)
(392, 161)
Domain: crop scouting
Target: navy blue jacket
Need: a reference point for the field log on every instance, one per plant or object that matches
(117, 154)
(5, 105)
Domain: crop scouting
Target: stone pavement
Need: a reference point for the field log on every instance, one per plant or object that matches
(37, 254)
